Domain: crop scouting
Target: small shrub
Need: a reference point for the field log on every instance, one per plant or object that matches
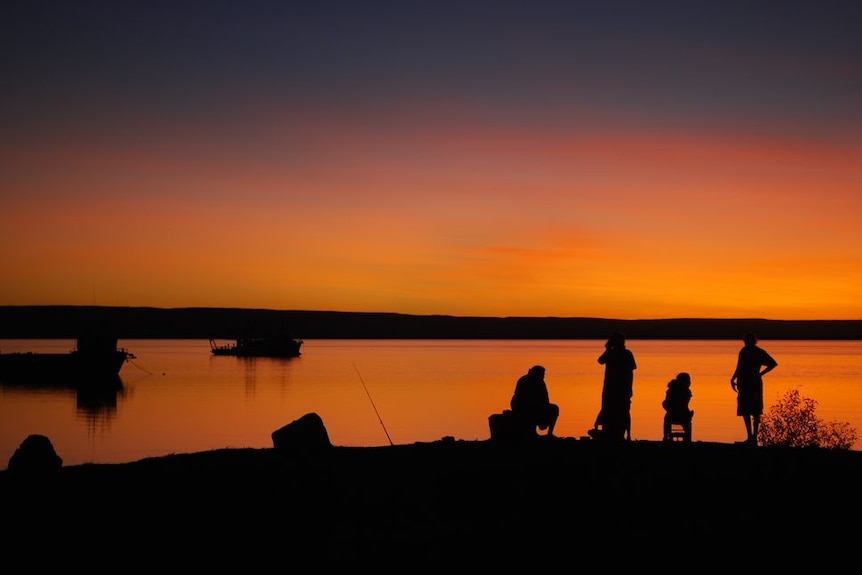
(792, 422)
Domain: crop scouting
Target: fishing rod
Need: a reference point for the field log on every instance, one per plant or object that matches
(372, 404)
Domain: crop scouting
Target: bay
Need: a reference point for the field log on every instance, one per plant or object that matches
(175, 397)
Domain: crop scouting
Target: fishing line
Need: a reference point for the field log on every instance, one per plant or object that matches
(372, 404)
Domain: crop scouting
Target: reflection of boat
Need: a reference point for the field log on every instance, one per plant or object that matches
(92, 394)
(259, 346)
(93, 359)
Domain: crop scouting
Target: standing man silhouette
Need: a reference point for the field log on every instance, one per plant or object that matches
(617, 388)
(752, 364)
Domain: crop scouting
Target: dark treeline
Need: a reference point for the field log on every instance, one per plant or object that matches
(62, 322)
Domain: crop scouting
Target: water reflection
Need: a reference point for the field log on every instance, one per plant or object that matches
(256, 368)
(96, 399)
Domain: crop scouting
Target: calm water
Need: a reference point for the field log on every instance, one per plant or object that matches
(177, 398)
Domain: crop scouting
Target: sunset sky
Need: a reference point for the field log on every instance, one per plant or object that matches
(619, 159)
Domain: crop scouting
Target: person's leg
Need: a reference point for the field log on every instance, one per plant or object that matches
(554, 414)
(615, 422)
(666, 435)
(746, 419)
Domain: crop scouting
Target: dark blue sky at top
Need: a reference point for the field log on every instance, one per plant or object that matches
(760, 62)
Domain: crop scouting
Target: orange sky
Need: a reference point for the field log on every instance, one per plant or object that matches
(566, 164)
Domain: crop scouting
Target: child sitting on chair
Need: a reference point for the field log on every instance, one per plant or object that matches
(676, 407)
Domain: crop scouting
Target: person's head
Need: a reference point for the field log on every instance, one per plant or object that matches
(617, 339)
(537, 371)
(684, 379)
(749, 339)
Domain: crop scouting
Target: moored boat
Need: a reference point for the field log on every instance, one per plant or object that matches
(95, 358)
(259, 346)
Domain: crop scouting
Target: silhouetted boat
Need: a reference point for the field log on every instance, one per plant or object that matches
(259, 346)
(93, 359)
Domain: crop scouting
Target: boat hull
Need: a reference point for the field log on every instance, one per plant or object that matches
(18, 366)
(95, 358)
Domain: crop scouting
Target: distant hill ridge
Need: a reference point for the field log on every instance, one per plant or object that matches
(63, 322)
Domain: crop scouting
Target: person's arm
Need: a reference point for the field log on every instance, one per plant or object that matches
(734, 378)
(603, 359)
(769, 363)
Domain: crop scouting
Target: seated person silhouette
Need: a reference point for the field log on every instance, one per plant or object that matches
(676, 406)
(530, 402)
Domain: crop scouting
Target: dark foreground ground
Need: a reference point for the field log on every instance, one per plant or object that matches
(562, 504)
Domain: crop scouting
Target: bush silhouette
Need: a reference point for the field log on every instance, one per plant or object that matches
(792, 422)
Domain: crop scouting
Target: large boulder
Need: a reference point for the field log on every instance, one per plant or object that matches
(35, 455)
(304, 435)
